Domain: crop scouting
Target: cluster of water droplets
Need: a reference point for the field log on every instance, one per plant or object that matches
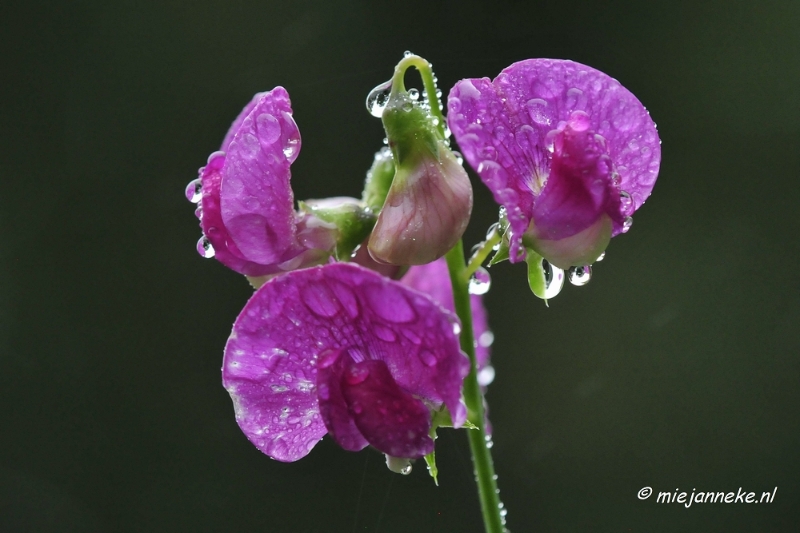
(627, 207)
(194, 193)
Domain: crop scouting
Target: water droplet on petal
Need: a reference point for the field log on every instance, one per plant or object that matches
(204, 247)
(459, 157)
(356, 375)
(194, 191)
(480, 282)
(553, 280)
(580, 276)
(378, 97)
(406, 470)
(291, 148)
(427, 358)
(625, 203)
(627, 224)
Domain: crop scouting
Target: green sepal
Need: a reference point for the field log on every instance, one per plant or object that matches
(353, 220)
(379, 179)
(502, 252)
(537, 279)
(430, 460)
(410, 130)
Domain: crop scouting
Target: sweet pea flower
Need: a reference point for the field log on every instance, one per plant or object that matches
(568, 151)
(341, 349)
(246, 202)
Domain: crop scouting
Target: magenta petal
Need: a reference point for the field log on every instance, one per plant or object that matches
(506, 128)
(255, 195)
(434, 280)
(332, 404)
(308, 317)
(225, 249)
(579, 189)
(391, 419)
(237, 123)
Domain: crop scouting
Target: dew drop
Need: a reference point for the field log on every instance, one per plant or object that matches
(459, 157)
(456, 328)
(553, 280)
(627, 224)
(480, 282)
(489, 442)
(204, 247)
(406, 470)
(194, 191)
(427, 358)
(291, 148)
(601, 257)
(626, 203)
(413, 94)
(488, 152)
(580, 276)
(486, 339)
(356, 375)
(407, 53)
(486, 376)
(378, 97)
(492, 230)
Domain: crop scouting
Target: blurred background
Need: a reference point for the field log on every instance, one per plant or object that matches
(676, 367)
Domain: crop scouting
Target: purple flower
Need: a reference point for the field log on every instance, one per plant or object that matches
(433, 279)
(246, 202)
(568, 151)
(340, 349)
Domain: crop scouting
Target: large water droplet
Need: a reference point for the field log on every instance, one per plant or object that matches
(553, 280)
(480, 282)
(291, 148)
(627, 224)
(378, 97)
(413, 94)
(194, 191)
(204, 247)
(406, 470)
(580, 276)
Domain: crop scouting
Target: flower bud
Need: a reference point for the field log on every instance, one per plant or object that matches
(430, 199)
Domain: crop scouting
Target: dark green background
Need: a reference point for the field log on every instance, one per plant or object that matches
(676, 367)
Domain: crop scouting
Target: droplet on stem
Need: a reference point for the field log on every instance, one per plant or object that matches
(480, 282)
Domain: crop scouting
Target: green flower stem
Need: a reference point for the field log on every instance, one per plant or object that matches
(428, 82)
(481, 456)
(483, 252)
